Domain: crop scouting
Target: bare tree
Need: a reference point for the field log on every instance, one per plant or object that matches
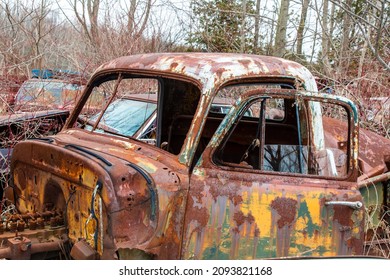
(26, 30)
(40, 27)
(87, 14)
(10, 35)
(325, 37)
(379, 42)
(257, 27)
(137, 24)
(281, 28)
(301, 27)
(346, 30)
(243, 24)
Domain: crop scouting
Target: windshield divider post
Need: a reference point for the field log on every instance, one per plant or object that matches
(109, 102)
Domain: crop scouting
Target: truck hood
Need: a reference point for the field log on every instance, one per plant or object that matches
(137, 152)
(112, 160)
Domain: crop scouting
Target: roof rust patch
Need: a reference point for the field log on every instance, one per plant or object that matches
(222, 66)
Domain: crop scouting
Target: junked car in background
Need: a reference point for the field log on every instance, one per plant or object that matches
(275, 175)
(39, 108)
(9, 86)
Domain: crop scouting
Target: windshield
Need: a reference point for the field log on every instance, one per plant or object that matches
(124, 116)
(47, 92)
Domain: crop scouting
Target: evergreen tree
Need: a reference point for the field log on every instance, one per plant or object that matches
(219, 25)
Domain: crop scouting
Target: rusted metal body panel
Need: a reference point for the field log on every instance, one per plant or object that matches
(373, 183)
(244, 217)
(374, 149)
(128, 199)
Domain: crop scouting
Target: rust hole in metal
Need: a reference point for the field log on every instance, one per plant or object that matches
(286, 208)
(130, 199)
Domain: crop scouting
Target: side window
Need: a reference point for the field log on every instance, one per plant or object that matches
(260, 142)
(227, 96)
(336, 133)
(288, 146)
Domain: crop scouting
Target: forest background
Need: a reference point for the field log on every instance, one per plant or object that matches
(346, 44)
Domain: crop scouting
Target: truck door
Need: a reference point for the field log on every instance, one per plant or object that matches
(267, 186)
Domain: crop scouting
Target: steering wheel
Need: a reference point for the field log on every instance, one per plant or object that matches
(255, 143)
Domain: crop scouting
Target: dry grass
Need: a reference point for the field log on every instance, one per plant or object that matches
(377, 218)
(378, 235)
(13, 133)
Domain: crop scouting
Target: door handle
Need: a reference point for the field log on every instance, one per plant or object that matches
(352, 204)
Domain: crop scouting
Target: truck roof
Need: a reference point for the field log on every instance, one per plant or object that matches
(213, 69)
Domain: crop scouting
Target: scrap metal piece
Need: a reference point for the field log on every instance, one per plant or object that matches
(83, 251)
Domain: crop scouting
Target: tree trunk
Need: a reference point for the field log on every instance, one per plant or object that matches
(301, 27)
(257, 28)
(331, 28)
(93, 11)
(89, 24)
(131, 16)
(145, 18)
(325, 37)
(344, 56)
(281, 29)
(242, 32)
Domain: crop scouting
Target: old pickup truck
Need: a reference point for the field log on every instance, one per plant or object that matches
(277, 173)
